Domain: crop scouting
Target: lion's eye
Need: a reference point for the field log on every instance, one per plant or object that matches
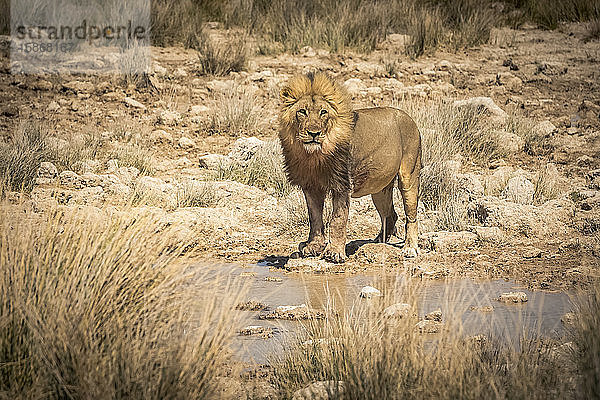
(302, 111)
(323, 112)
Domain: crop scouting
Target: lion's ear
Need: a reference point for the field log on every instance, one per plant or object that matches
(286, 96)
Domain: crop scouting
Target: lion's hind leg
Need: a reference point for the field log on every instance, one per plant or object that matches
(385, 207)
(409, 187)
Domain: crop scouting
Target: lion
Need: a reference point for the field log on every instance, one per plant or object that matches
(329, 147)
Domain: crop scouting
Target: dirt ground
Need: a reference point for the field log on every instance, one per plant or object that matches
(545, 75)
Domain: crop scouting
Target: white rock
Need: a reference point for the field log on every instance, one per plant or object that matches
(159, 69)
(488, 233)
(53, 107)
(47, 170)
(285, 309)
(354, 85)
(544, 129)
(168, 117)
(513, 297)
(213, 161)
(519, 190)
(161, 136)
(374, 91)
(445, 241)
(71, 180)
(180, 73)
(186, 143)
(198, 110)
(510, 143)
(369, 291)
(79, 86)
(244, 149)
(485, 103)
(134, 103)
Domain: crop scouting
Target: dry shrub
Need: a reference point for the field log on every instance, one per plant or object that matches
(549, 13)
(96, 308)
(235, 113)
(264, 170)
(21, 155)
(176, 21)
(547, 184)
(220, 59)
(66, 154)
(195, 194)
(593, 29)
(134, 155)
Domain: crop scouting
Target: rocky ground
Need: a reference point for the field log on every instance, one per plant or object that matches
(159, 150)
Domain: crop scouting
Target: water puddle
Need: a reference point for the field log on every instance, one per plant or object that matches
(469, 299)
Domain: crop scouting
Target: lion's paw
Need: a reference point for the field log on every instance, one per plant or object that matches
(311, 249)
(334, 253)
(410, 252)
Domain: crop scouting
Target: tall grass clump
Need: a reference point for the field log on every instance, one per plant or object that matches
(134, 155)
(264, 170)
(66, 154)
(549, 14)
(235, 113)
(96, 308)
(4, 17)
(21, 155)
(195, 194)
(220, 59)
(176, 21)
(364, 354)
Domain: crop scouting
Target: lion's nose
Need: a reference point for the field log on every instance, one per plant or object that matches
(314, 134)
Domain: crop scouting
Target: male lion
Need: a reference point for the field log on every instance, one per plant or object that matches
(331, 148)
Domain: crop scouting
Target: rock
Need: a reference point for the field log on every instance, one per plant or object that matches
(483, 309)
(170, 118)
(568, 319)
(308, 51)
(43, 85)
(180, 73)
(186, 143)
(161, 136)
(78, 86)
(198, 110)
(470, 185)
(47, 170)
(354, 86)
(374, 91)
(71, 180)
(512, 82)
(159, 69)
(496, 183)
(510, 143)
(321, 390)
(133, 103)
(544, 129)
(445, 241)
(435, 315)
(379, 254)
(398, 310)
(293, 313)
(573, 130)
(428, 326)
(86, 166)
(252, 330)
(551, 68)
(519, 190)
(368, 292)
(53, 107)
(119, 190)
(512, 297)
(491, 234)
(483, 103)
(273, 279)
(244, 149)
(213, 161)
(531, 252)
(220, 86)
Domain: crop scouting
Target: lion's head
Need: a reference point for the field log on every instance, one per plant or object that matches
(316, 114)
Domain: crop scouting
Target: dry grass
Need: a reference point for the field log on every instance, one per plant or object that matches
(378, 357)
(264, 170)
(76, 149)
(220, 59)
(96, 308)
(195, 194)
(177, 21)
(547, 184)
(134, 155)
(549, 14)
(235, 113)
(21, 155)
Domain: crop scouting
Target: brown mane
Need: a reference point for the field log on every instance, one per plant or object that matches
(329, 168)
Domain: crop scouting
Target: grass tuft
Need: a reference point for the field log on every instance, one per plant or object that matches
(235, 113)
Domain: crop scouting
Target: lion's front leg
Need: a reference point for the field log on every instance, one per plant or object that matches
(336, 249)
(316, 238)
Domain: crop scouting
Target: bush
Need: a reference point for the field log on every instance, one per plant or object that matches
(97, 308)
(235, 113)
(22, 155)
(221, 59)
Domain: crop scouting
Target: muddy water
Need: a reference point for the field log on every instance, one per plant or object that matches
(541, 314)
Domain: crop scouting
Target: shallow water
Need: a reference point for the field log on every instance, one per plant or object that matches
(541, 314)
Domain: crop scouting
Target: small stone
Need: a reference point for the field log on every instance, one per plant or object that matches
(507, 79)
(169, 118)
(484, 103)
(512, 297)
(247, 274)
(544, 129)
(568, 319)
(252, 330)
(532, 252)
(79, 86)
(273, 279)
(159, 69)
(251, 305)
(47, 170)
(491, 234)
(428, 326)
(161, 136)
(71, 180)
(186, 143)
(519, 190)
(133, 103)
(368, 292)
(435, 315)
(198, 110)
(354, 86)
(213, 161)
(572, 130)
(483, 309)
(53, 107)
(298, 312)
(180, 73)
